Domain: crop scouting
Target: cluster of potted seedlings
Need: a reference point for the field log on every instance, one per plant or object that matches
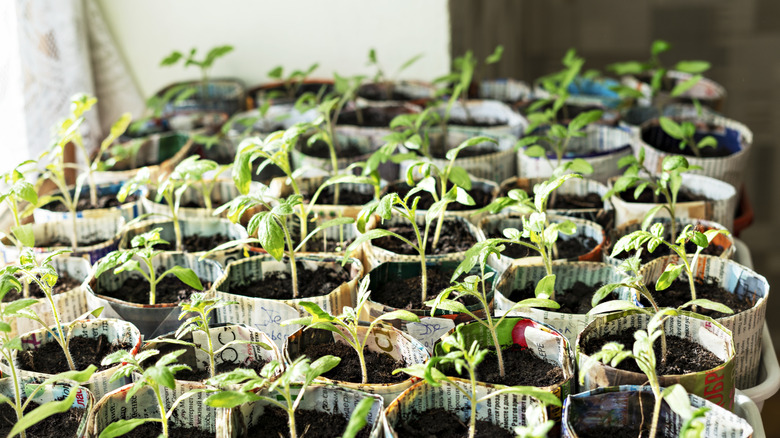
(375, 257)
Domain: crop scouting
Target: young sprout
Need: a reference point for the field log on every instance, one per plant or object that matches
(205, 64)
(381, 79)
(156, 377)
(534, 429)
(292, 83)
(476, 286)
(142, 247)
(272, 229)
(685, 132)
(298, 375)
(24, 394)
(19, 190)
(347, 325)
(613, 353)
(461, 356)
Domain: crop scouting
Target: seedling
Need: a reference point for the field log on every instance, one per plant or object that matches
(292, 83)
(685, 132)
(613, 353)
(469, 357)
(381, 79)
(205, 64)
(347, 325)
(298, 375)
(19, 190)
(143, 249)
(156, 377)
(271, 228)
(476, 286)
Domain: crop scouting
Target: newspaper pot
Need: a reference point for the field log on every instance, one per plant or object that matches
(331, 399)
(494, 116)
(602, 147)
(151, 319)
(708, 92)
(239, 355)
(715, 385)
(54, 392)
(430, 328)
(268, 314)
(418, 92)
(541, 339)
(128, 210)
(746, 326)
(192, 412)
(381, 255)
(566, 274)
(719, 206)
(496, 224)
(725, 242)
(104, 231)
(478, 185)
(192, 227)
(222, 95)
(383, 340)
(224, 191)
(506, 410)
(258, 94)
(603, 215)
(629, 406)
(70, 304)
(507, 90)
(308, 185)
(159, 152)
(491, 161)
(734, 144)
(115, 330)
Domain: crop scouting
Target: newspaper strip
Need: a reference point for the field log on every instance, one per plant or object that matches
(716, 384)
(202, 227)
(116, 331)
(224, 191)
(544, 341)
(104, 230)
(518, 277)
(224, 95)
(496, 224)
(630, 406)
(498, 116)
(415, 91)
(506, 90)
(505, 410)
(192, 412)
(726, 242)
(383, 340)
(746, 326)
(331, 399)
(719, 207)
(267, 315)
(602, 147)
(159, 152)
(495, 162)
(148, 318)
(128, 210)
(730, 135)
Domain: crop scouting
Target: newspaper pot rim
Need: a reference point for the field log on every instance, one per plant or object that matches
(593, 154)
(241, 231)
(383, 86)
(150, 205)
(514, 121)
(279, 188)
(745, 140)
(468, 132)
(156, 168)
(252, 92)
(692, 178)
(110, 188)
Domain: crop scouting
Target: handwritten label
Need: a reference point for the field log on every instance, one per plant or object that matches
(429, 330)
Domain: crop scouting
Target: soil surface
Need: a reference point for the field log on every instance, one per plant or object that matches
(481, 197)
(663, 250)
(438, 149)
(196, 243)
(278, 285)
(65, 283)
(346, 197)
(561, 201)
(376, 117)
(104, 201)
(455, 237)
(647, 197)
(440, 423)
(153, 429)
(58, 425)
(380, 366)
(381, 92)
(521, 366)
(476, 123)
(308, 424)
(656, 137)
(576, 299)
(612, 432)
(567, 248)
(169, 290)
(60, 241)
(679, 293)
(407, 293)
(50, 359)
(682, 356)
(320, 149)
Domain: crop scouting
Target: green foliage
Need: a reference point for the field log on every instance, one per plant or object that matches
(16, 192)
(203, 64)
(685, 132)
(292, 83)
(456, 83)
(379, 75)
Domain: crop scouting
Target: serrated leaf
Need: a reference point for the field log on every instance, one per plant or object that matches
(187, 276)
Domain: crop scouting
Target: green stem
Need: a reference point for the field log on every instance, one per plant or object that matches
(163, 416)
(473, 418)
(656, 410)
(152, 281)
(212, 362)
(60, 328)
(291, 254)
(491, 326)
(17, 389)
(291, 412)
(303, 215)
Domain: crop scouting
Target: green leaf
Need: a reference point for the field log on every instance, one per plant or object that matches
(321, 366)
(584, 119)
(677, 399)
(659, 46)
(460, 177)
(122, 427)
(545, 288)
(271, 236)
(187, 276)
(24, 234)
(403, 315)
(699, 239)
(674, 162)
(612, 306)
(496, 55)
(670, 274)
(453, 153)
(316, 312)
(692, 67)
(160, 375)
(42, 412)
(709, 305)
(357, 420)
(230, 399)
(171, 59)
(671, 127)
(535, 151)
(682, 87)
(708, 141)
(648, 219)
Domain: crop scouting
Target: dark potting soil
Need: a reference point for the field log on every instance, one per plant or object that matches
(153, 429)
(380, 366)
(567, 248)
(481, 197)
(407, 293)
(65, 241)
(50, 359)
(455, 237)
(308, 424)
(376, 117)
(561, 201)
(521, 367)
(346, 197)
(647, 197)
(320, 149)
(169, 290)
(64, 283)
(58, 425)
(440, 423)
(476, 123)
(104, 201)
(381, 92)
(278, 285)
(645, 257)
(613, 432)
(656, 137)
(682, 356)
(438, 149)
(576, 299)
(679, 293)
(196, 243)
